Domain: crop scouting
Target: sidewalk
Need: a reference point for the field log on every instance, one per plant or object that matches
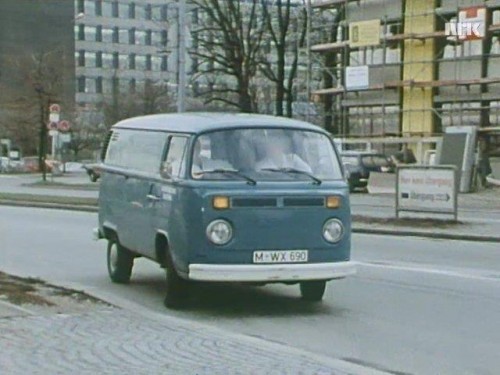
(101, 339)
(478, 217)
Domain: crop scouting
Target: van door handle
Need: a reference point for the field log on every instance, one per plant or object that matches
(152, 197)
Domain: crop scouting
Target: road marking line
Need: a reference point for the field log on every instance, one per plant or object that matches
(434, 271)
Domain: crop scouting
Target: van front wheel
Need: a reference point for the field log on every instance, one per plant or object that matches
(312, 291)
(120, 262)
(177, 290)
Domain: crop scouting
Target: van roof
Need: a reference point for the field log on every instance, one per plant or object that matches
(199, 122)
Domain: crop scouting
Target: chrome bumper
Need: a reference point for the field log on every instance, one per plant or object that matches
(271, 272)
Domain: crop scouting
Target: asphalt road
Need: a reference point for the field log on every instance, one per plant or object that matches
(416, 306)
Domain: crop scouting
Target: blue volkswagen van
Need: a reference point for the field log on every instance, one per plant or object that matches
(225, 198)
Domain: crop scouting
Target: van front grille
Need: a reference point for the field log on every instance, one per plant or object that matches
(254, 202)
(303, 202)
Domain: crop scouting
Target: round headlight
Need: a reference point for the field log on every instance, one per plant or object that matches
(333, 230)
(219, 232)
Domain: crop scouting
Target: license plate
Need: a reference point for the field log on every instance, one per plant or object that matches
(280, 256)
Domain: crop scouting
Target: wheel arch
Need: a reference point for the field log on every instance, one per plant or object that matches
(162, 248)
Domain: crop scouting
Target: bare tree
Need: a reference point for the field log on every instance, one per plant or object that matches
(41, 85)
(228, 44)
(286, 26)
(151, 98)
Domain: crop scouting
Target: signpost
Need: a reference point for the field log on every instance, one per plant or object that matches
(357, 77)
(430, 189)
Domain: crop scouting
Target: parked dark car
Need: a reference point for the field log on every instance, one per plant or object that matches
(359, 164)
(93, 171)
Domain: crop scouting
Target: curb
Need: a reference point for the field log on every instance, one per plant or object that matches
(434, 235)
(355, 229)
(56, 206)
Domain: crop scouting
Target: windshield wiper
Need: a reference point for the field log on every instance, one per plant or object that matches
(233, 172)
(316, 180)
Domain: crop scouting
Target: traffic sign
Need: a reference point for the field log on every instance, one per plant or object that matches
(55, 108)
(53, 132)
(426, 189)
(52, 125)
(54, 117)
(63, 126)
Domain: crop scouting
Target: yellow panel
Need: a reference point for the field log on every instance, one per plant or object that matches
(418, 56)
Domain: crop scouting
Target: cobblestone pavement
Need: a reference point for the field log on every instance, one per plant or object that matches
(114, 341)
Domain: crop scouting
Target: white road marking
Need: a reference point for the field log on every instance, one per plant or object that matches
(457, 272)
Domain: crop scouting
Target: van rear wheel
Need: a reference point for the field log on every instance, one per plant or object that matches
(312, 291)
(120, 262)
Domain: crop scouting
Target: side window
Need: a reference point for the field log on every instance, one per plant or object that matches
(136, 149)
(174, 165)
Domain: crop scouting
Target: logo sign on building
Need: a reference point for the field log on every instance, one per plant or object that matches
(471, 24)
(357, 77)
(364, 33)
(426, 189)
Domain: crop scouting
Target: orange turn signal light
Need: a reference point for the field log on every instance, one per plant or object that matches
(220, 202)
(333, 202)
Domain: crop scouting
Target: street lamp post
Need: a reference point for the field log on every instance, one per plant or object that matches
(181, 56)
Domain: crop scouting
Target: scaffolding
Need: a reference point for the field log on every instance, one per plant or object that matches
(420, 79)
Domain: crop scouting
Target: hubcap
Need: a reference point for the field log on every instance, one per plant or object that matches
(113, 257)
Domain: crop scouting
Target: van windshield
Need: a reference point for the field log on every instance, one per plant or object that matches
(265, 154)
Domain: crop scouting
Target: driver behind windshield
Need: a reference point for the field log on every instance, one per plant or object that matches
(278, 154)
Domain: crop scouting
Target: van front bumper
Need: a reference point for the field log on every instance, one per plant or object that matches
(271, 272)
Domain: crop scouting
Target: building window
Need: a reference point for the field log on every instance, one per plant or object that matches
(81, 58)
(98, 85)
(81, 84)
(116, 31)
(107, 35)
(107, 9)
(148, 38)
(140, 37)
(89, 8)
(164, 63)
(107, 60)
(131, 61)
(131, 36)
(149, 62)
(123, 61)
(98, 59)
(131, 10)
(80, 6)
(164, 13)
(98, 8)
(141, 62)
(98, 33)
(90, 33)
(156, 63)
(114, 9)
(164, 38)
(115, 60)
(148, 13)
(81, 32)
(90, 59)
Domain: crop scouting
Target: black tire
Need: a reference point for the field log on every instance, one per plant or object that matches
(93, 177)
(120, 262)
(177, 288)
(312, 291)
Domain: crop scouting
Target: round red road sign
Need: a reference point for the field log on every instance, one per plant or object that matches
(55, 108)
(63, 126)
(52, 125)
